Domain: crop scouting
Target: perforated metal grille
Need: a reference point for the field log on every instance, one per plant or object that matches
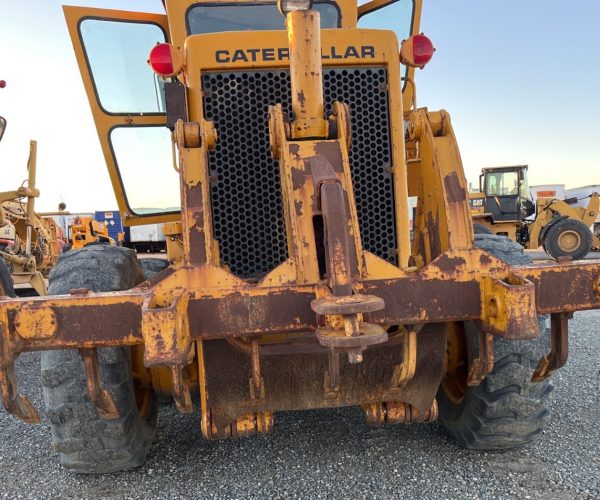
(246, 193)
(365, 91)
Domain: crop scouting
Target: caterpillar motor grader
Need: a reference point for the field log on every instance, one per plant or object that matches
(291, 282)
(503, 206)
(36, 241)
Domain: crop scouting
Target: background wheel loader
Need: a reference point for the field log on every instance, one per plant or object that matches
(503, 206)
(291, 282)
(87, 231)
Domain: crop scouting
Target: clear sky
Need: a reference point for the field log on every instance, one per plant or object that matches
(520, 79)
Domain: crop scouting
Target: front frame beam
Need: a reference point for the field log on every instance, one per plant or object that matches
(446, 290)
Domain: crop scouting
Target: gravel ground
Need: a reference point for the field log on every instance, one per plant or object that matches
(541, 255)
(333, 453)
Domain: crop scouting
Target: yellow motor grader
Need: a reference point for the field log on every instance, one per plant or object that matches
(36, 242)
(291, 282)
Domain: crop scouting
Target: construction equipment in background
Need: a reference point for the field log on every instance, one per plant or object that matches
(291, 282)
(87, 231)
(32, 243)
(583, 194)
(504, 206)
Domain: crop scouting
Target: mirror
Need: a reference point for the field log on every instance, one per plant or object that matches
(144, 158)
(2, 126)
(117, 52)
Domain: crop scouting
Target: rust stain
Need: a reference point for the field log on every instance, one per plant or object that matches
(331, 150)
(448, 264)
(301, 98)
(77, 325)
(433, 230)
(485, 260)
(456, 193)
(197, 238)
(295, 150)
(298, 178)
(298, 206)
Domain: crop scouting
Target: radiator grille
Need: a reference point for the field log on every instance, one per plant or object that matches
(246, 197)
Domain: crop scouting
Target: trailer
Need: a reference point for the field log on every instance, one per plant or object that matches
(114, 223)
(146, 238)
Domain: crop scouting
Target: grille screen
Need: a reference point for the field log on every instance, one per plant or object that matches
(246, 193)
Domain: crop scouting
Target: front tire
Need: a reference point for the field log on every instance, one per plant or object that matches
(506, 409)
(6, 284)
(568, 238)
(479, 228)
(85, 442)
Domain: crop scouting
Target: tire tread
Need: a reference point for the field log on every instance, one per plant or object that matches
(506, 409)
(86, 442)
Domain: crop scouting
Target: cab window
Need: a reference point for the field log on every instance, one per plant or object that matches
(116, 53)
(217, 18)
(502, 184)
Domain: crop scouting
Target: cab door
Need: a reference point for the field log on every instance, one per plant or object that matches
(127, 103)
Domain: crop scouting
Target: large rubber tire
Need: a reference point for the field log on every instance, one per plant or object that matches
(506, 410)
(6, 283)
(479, 228)
(580, 234)
(86, 442)
(152, 266)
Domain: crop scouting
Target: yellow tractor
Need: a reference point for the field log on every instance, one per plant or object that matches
(87, 231)
(35, 242)
(291, 282)
(503, 206)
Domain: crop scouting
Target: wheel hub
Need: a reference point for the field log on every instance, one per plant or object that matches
(569, 241)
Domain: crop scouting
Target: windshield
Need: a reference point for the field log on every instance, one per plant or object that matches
(216, 18)
(397, 17)
(502, 184)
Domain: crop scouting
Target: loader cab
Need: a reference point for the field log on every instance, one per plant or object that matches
(506, 193)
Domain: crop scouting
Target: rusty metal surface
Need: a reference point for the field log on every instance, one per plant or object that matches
(108, 319)
(299, 381)
(559, 349)
(397, 412)
(565, 287)
(349, 304)
(13, 401)
(100, 397)
(509, 307)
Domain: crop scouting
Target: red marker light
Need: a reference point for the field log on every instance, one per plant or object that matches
(417, 51)
(422, 49)
(165, 60)
(2, 84)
